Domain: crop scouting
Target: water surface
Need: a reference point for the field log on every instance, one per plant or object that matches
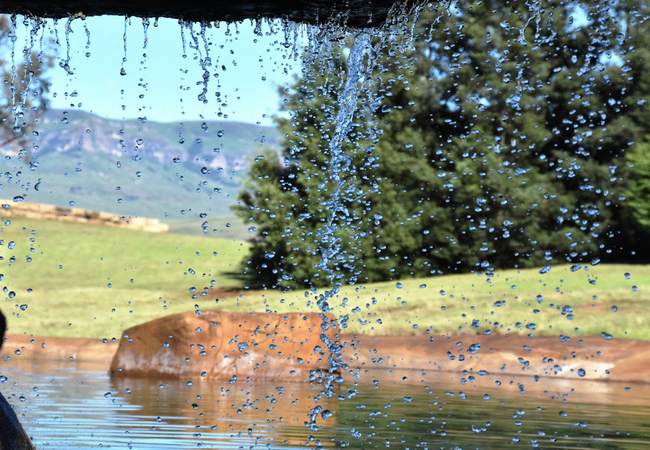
(69, 407)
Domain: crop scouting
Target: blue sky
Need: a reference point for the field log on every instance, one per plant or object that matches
(165, 79)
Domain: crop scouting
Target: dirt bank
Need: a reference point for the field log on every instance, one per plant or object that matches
(589, 358)
(79, 215)
(84, 354)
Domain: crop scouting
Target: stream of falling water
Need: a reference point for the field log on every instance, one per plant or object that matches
(348, 99)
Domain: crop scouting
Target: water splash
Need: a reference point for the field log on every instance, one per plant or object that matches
(329, 242)
(145, 29)
(65, 63)
(203, 52)
(183, 24)
(13, 38)
(126, 25)
(87, 46)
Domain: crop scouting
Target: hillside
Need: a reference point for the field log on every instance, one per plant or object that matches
(82, 280)
(135, 167)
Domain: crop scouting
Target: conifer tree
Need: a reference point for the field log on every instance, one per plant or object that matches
(498, 140)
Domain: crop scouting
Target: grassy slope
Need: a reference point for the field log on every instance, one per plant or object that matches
(223, 227)
(73, 264)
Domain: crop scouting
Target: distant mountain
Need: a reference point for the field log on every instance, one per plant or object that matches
(135, 167)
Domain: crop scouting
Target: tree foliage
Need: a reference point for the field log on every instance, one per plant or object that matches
(638, 184)
(22, 100)
(497, 140)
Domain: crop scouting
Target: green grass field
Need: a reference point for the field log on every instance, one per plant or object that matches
(64, 279)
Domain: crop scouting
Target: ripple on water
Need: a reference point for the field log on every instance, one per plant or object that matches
(67, 409)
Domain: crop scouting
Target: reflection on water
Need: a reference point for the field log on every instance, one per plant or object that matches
(63, 408)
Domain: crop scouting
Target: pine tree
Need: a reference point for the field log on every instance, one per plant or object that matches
(500, 141)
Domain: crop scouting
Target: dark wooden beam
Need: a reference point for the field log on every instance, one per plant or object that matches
(354, 13)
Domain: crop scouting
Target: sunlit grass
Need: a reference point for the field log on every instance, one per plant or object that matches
(89, 280)
(80, 280)
(588, 301)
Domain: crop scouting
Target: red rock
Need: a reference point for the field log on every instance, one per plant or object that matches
(217, 344)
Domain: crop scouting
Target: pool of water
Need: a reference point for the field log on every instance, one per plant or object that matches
(70, 407)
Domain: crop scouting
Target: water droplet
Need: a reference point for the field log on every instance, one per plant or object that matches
(581, 372)
(576, 267)
(614, 308)
(627, 276)
(398, 285)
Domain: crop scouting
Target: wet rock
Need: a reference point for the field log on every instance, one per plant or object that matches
(218, 345)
